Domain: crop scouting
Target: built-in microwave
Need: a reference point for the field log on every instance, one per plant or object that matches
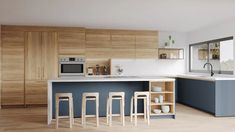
(71, 66)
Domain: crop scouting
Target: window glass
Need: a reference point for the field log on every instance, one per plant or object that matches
(217, 52)
(199, 56)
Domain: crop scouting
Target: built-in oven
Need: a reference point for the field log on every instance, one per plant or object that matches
(71, 66)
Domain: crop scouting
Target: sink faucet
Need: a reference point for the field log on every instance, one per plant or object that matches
(212, 72)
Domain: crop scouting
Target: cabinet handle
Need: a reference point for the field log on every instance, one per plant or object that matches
(43, 72)
(38, 72)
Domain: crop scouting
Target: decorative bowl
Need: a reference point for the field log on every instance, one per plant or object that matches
(157, 111)
(165, 108)
(156, 89)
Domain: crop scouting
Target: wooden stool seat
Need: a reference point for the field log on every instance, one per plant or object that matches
(64, 97)
(144, 96)
(93, 97)
(115, 96)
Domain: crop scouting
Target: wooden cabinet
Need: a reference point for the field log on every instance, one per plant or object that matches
(123, 44)
(36, 92)
(146, 44)
(72, 43)
(146, 53)
(167, 93)
(33, 53)
(98, 44)
(13, 92)
(49, 55)
(29, 55)
(98, 38)
(40, 65)
(12, 68)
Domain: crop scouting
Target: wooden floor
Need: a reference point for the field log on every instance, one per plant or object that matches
(187, 120)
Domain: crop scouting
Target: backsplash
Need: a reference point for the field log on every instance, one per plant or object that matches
(132, 67)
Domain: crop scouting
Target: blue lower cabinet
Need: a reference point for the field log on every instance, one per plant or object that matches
(197, 93)
(215, 97)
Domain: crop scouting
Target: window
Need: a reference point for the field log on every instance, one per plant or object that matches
(218, 52)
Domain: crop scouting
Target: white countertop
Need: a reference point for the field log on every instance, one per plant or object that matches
(111, 79)
(206, 77)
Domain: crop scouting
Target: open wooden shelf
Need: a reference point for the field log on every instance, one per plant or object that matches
(154, 114)
(168, 93)
(164, 103)
(171, 53)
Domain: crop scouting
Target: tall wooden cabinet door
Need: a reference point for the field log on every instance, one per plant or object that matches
(36, 92)
(12, 68)
(49, 56)
(33, 53)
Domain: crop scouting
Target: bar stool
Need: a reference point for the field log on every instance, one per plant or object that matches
(115, 96)
(134, 100)
(90, 96)
(64, 97)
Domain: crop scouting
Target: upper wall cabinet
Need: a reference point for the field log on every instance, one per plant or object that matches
(98, 43)
(123, 44)
(146, 44)
(98, 38)
(12, 68)
(123, 39)
(147, 40)
(72, 42)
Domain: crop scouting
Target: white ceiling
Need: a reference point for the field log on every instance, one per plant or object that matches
(172, 15)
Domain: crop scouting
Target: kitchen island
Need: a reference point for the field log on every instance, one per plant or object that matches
(104, 85)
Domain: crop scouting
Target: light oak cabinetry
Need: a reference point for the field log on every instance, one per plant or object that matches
(123, 44)
(40, 65)
(98, 44)
(29, 55)
(146, 44)
(12, 68)
(72, 42)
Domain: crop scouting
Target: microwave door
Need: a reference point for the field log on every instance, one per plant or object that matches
(71, 69)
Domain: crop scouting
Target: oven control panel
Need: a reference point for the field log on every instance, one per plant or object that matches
(72, 59)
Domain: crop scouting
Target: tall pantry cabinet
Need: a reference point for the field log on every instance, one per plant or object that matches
(29, 59)
(12, 68)
(40, 65)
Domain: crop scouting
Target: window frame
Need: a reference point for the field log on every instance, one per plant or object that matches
(208, 59)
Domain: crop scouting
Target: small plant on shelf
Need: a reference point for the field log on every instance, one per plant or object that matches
(170, 41)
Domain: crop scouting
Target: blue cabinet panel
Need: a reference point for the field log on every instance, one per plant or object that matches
(197, 93)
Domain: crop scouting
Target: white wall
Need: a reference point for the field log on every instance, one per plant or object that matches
(222, 30)
(155, 66)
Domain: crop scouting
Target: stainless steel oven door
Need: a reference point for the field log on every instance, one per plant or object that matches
(71, 69)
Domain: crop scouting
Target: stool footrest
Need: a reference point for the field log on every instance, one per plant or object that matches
(118, 98)
(90, 98)
(90, 115)
(138, 114)
(115, 114)
(62, 117)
